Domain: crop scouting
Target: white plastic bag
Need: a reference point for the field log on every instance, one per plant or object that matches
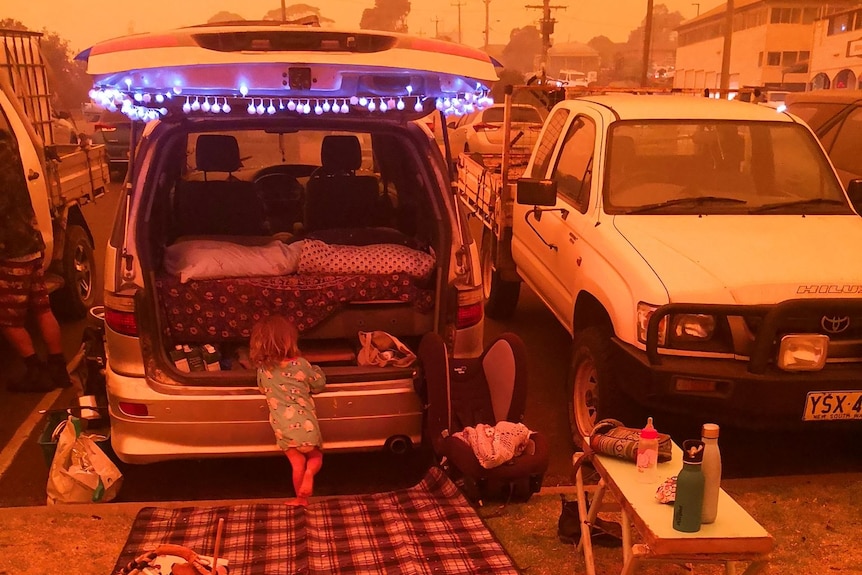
(383, 349)
(80, 471)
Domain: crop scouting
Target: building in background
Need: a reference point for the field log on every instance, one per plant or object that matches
(573, 56)
(836, 56)
(771, 46)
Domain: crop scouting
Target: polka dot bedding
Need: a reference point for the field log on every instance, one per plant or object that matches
(320, 257)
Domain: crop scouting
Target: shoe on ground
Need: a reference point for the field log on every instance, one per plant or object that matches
(36, 379)
(602, 533)
(56, 366)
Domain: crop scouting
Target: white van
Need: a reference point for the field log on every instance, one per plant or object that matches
(574, 78)
(281, 172)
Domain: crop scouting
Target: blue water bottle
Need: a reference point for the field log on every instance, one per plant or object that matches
(688, 506)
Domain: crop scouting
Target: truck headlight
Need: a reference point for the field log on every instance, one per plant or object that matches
(645, 312)
(692, 327)
(803, 352)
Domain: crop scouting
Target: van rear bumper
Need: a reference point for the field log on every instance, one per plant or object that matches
(234, 422)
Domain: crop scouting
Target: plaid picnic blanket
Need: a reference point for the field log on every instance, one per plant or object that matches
(428, 528)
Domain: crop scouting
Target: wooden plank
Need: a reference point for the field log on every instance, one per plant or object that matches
(734, 534)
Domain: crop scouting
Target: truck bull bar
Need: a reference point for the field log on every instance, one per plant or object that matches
(773, 318)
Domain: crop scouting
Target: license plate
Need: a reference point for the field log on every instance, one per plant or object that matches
(832, 405)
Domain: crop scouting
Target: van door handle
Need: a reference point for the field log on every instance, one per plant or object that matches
(32, 175)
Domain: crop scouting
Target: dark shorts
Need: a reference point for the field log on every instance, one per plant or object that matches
(22, 291)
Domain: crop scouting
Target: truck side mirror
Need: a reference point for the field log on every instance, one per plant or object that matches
(533, 192)
(854, 192)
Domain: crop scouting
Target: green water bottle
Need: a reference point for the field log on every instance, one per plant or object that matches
(688, 506)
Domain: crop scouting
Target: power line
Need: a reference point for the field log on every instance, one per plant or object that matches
(487, 25)
(459, 4)
(547, 28)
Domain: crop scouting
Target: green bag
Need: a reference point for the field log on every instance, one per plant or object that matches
(611, 437)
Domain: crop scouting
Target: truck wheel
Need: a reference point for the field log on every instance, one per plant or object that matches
(593, 390)
(78, 293)
(501, 296)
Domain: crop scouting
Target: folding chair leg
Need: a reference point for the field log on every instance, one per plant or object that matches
(589, 560)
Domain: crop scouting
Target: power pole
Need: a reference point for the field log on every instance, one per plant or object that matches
(487, 20)
(647, 42)
(459, 4)
(725, 54)
(547, 28)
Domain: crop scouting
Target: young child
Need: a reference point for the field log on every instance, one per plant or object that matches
(288, 381)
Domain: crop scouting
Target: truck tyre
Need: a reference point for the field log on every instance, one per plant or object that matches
(501, 296)
(594, 393)
(78, 293)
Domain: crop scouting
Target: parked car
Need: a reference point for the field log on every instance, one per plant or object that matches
(669, 235)
(114, 130)
(836, 118)
(575, 78)
(482, 132)
(774, 99)
(288, 175)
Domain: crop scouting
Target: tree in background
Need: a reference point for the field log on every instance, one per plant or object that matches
(663, 43)
(225, 16)
(607, 50)
(296, 12)
(621, 62)
(524, 47)
(388, 15)
(67, 77)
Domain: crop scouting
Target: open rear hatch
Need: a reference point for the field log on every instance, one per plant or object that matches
(286, 69)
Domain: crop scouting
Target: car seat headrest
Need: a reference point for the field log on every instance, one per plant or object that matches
(340, 153)
(217, 153)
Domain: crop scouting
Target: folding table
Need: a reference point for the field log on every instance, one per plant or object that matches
(734, 537)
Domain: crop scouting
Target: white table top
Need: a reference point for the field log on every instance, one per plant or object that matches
(733, 532)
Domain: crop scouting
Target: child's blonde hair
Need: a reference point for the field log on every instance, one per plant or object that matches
(273, 339)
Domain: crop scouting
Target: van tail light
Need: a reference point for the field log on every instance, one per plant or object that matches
(470, 308)
(120, 314)
(134, 409)
(483, 127)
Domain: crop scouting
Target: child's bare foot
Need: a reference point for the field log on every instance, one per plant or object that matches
(297, 502)
(307, 486)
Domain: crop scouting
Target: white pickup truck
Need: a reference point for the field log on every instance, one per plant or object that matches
(701, 253)
(61, 177)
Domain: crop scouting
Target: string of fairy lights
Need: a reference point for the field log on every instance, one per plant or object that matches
(148, 105)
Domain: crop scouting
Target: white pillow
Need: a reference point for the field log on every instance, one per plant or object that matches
(319, 257)
(212, 259)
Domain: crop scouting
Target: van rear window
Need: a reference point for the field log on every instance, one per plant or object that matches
(293, 41)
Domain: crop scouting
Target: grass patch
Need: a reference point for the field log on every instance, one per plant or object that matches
(816, 523)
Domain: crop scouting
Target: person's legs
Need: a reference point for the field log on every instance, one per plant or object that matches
(16, 284)
(50, 330)
(56, 361)
(40, 307)
(298, 465)
(314, 461)
(20, 340)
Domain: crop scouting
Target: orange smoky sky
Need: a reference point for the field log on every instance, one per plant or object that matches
(85, 23)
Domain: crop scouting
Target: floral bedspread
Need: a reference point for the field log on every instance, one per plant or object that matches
(201, 310)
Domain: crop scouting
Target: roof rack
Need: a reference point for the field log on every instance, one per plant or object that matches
(575, 91)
